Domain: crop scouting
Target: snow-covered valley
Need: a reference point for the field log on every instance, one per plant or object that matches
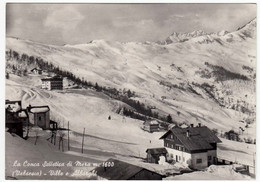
(207, 79)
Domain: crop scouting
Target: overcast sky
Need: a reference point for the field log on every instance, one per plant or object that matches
(80, 23)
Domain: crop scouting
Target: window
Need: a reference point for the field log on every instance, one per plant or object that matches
(40, 118)
(172, 146)
(171, 136)
(199, 161)
(179, 157)
(209, 157)
(183, 159)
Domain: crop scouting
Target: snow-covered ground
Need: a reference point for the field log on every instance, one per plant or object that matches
(212, 173)
(31, 156)
(116, 138)
(86, 109)
(242, 153)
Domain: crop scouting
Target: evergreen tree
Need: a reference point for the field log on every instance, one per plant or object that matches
(97, 87)
(14, 68)
(25, 72)
(7, 75)
(15, 55)
(169, 119)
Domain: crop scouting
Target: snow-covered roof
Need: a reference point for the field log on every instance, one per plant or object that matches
(38, 109)
(38, 69)
(22, 114)
(183, 125)
(13, 107)
(171, 126)
(153, 122)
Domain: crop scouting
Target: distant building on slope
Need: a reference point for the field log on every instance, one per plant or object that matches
(52, 83)
(154, 154)
(119, 170)
(36, 71)
(39, 116)
(195, 146)
(151, 126)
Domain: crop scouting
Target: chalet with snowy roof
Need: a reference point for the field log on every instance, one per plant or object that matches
(52, 83)
(39, 116)
(151, 126)
(194, 146)
(120, 170)
(15, 117)
(154, 154)
(36, 71)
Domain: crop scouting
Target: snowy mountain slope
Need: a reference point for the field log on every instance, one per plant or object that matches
(200, 36)
(172, 71)
(183, 37)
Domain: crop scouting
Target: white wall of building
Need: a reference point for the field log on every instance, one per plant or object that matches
(197, 156)
(46, 85)
(183, 157)
(192, 159)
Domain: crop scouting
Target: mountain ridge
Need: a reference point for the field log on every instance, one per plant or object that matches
(176, 37)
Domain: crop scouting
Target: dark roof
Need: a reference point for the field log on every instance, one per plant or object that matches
(51, 121)
(13, 102)
(200, 138)
(156, 151)
(55, 78)
(120, 171)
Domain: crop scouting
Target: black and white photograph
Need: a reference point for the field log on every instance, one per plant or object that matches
(130, 91)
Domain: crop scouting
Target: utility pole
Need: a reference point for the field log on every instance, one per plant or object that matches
(68, 135)
(83, 141)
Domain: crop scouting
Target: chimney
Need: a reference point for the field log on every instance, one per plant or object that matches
(199, 124)
(29, 107)
(191, 125)
(188, 133)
